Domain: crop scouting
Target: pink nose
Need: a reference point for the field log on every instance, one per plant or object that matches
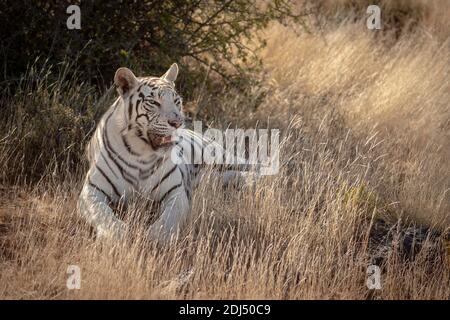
(175, 123)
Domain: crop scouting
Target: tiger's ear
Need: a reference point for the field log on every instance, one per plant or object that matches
(125, 81)
(171, 74)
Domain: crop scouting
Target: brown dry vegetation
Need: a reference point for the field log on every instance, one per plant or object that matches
(364, 179)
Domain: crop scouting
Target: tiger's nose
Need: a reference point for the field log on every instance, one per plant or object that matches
(175, 123)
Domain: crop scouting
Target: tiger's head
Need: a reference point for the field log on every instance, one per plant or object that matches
(152, 107)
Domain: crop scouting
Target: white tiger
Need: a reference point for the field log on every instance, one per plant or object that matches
(131, 150)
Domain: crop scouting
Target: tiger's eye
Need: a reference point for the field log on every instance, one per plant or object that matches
(156, 103)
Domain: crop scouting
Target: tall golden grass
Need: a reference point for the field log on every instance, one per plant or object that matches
(364, 171)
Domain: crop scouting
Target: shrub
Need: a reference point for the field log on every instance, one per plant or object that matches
(148, 34)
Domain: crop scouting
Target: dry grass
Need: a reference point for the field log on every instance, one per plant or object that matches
(365, 171)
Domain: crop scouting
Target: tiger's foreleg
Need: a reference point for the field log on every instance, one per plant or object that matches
(93, 205)
(175, 208)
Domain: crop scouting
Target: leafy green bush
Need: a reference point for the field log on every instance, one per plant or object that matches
(148, 34)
